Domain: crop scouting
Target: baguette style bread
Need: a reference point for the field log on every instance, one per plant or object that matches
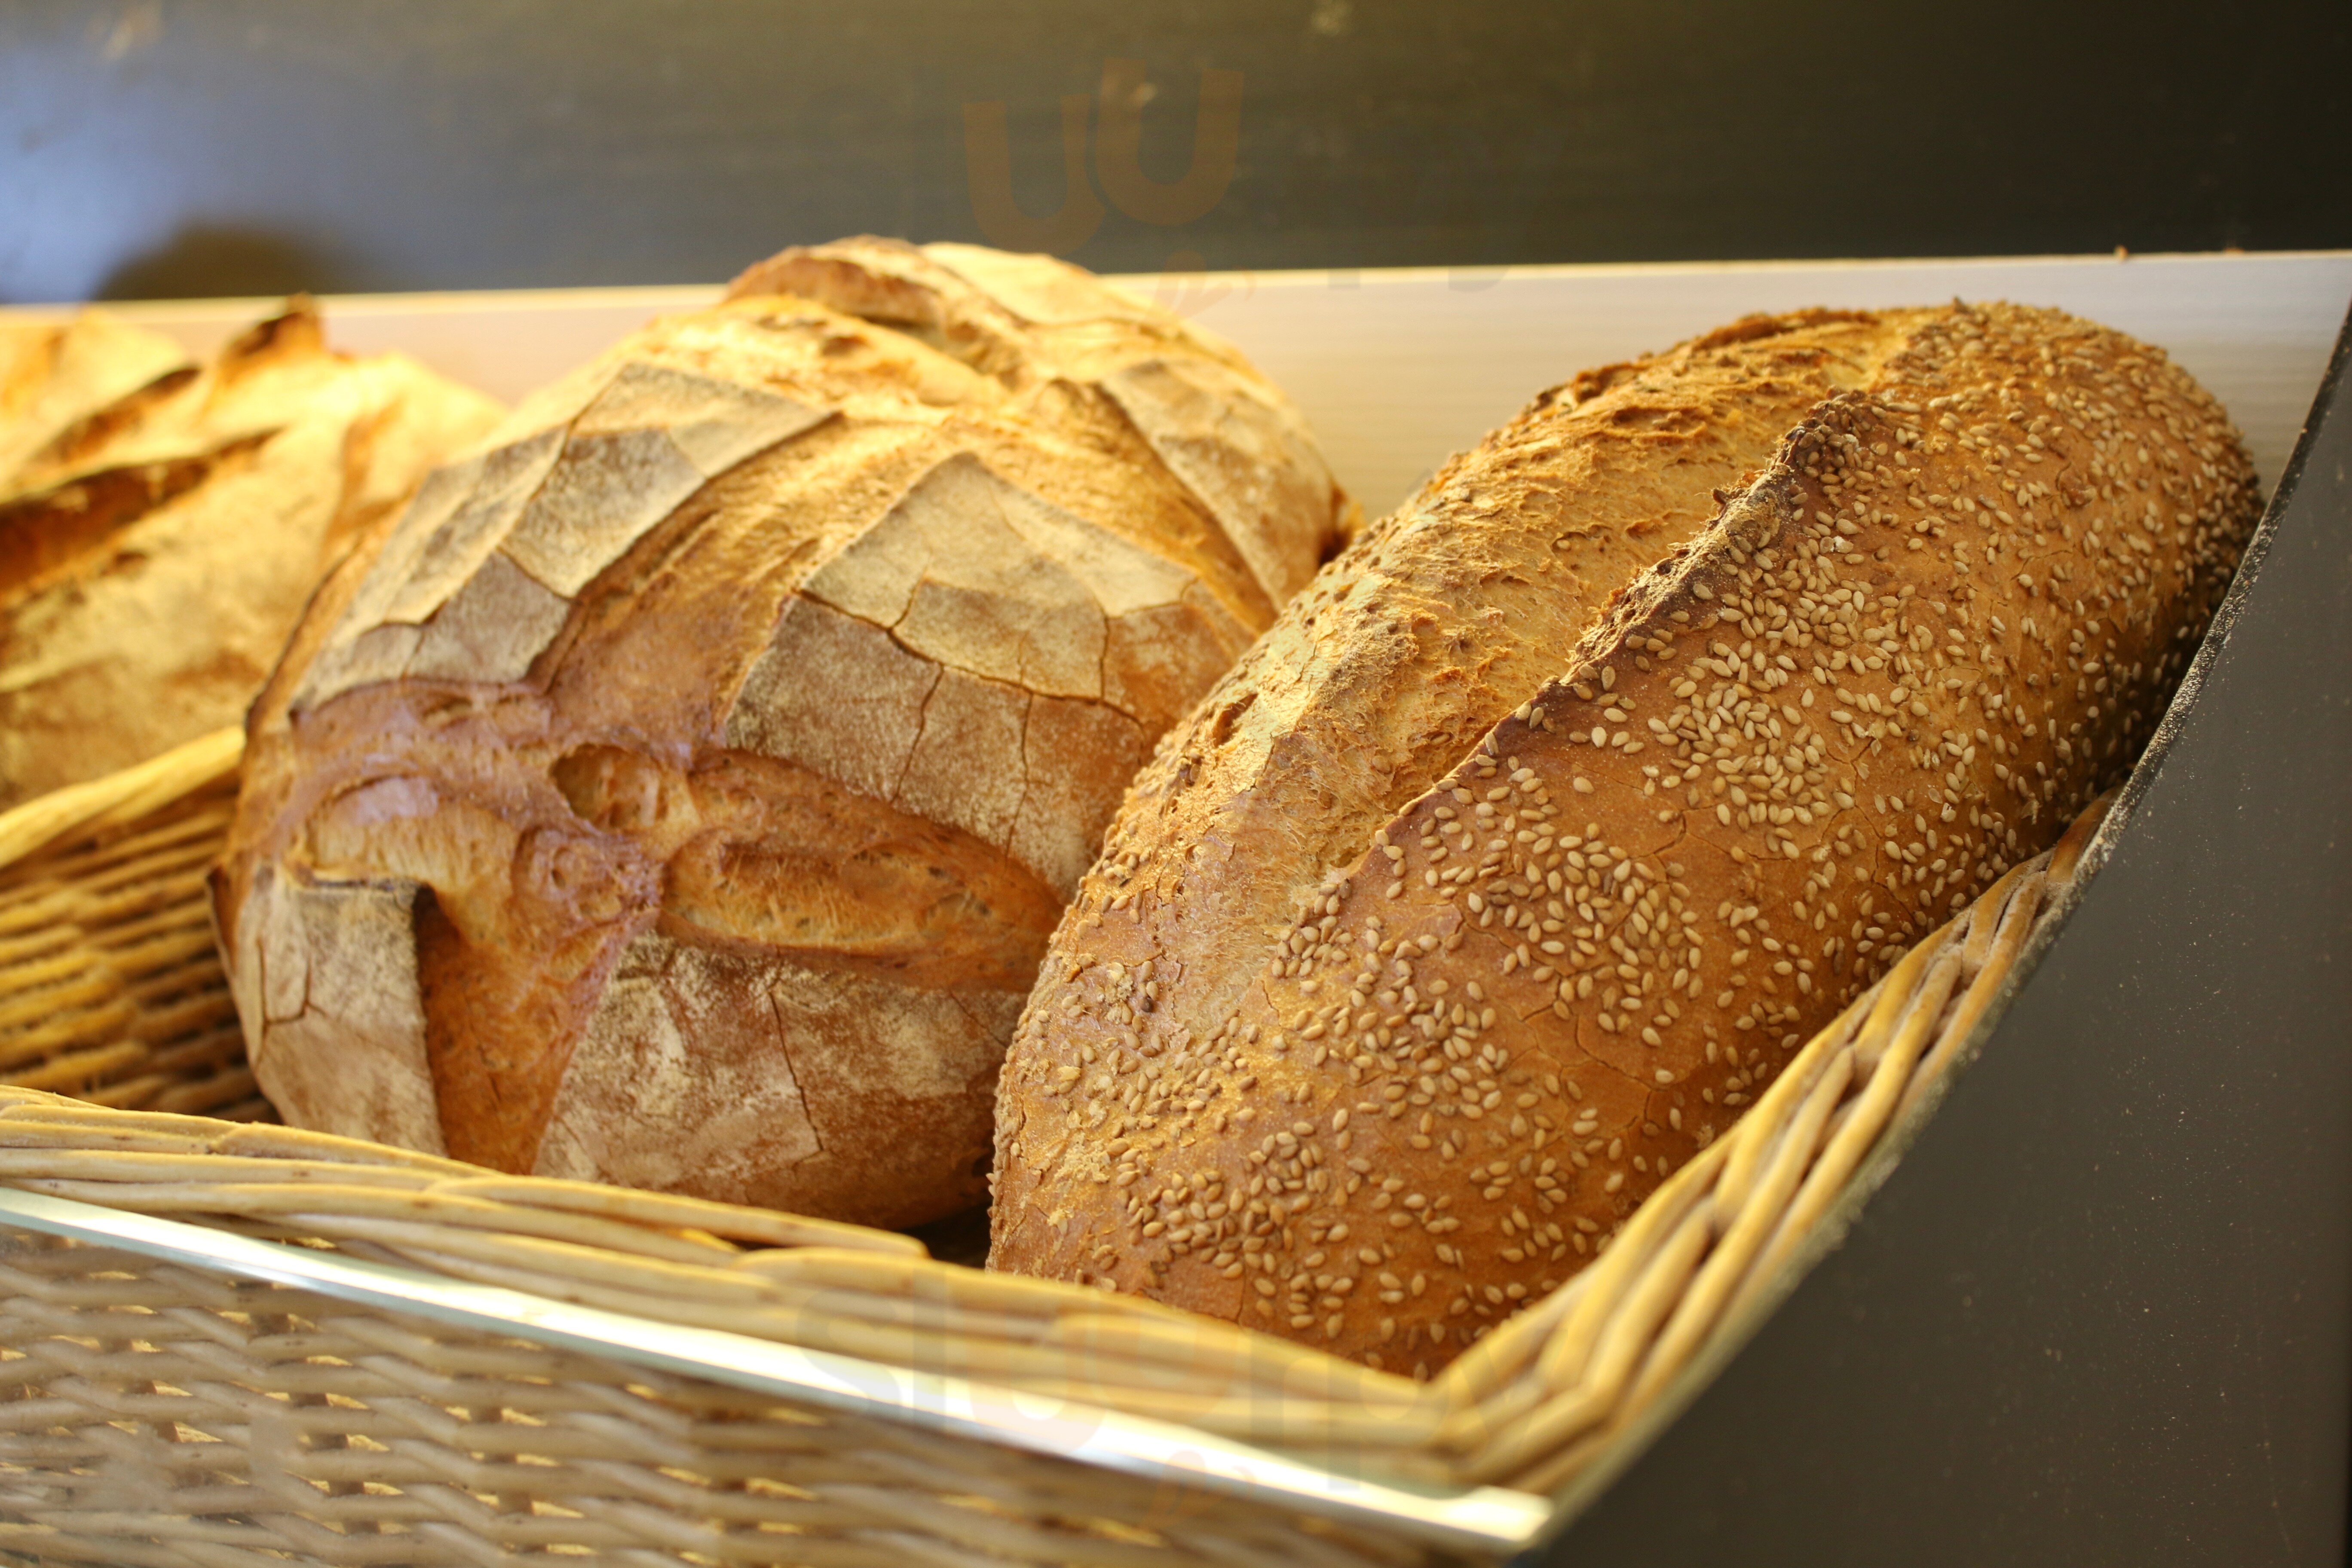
(1453, 918)
(162, 523)
(684, 793)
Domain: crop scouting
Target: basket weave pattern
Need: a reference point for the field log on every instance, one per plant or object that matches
(111, 987)
(154, 1413)
(164, 1416)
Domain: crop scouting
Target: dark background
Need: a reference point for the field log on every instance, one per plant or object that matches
(247, 146)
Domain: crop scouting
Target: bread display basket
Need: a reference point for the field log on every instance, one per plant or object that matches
(231, 1342)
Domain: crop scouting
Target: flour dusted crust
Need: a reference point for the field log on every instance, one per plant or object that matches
(1375, 1083)
(733, 722)
(162, 523)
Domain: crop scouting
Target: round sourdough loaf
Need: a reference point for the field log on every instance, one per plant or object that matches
(163, 522)
(1455, 918)
(683, 794)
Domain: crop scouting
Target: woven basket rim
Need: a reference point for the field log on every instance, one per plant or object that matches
(1473, 1517)
(118, 798)
(2075, 861)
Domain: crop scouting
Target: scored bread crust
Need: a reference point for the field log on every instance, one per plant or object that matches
(1490, 1023)
(54, 375)
(162, 523)
(682, 793)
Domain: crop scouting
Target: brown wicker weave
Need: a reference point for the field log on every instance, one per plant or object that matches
(154, 1411)
(111, 987)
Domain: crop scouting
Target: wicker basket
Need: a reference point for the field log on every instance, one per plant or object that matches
(224, 1341)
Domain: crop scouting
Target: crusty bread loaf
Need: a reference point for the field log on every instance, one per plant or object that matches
(56, 375)
(683, 795)
(162, 524)
(1407, 971)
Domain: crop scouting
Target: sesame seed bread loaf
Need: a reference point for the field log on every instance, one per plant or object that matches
(683, 794)
(163, 522)
(1423, 953)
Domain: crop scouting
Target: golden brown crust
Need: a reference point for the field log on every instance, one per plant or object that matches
(161, 524)
(1893, 664)
(707, 757)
